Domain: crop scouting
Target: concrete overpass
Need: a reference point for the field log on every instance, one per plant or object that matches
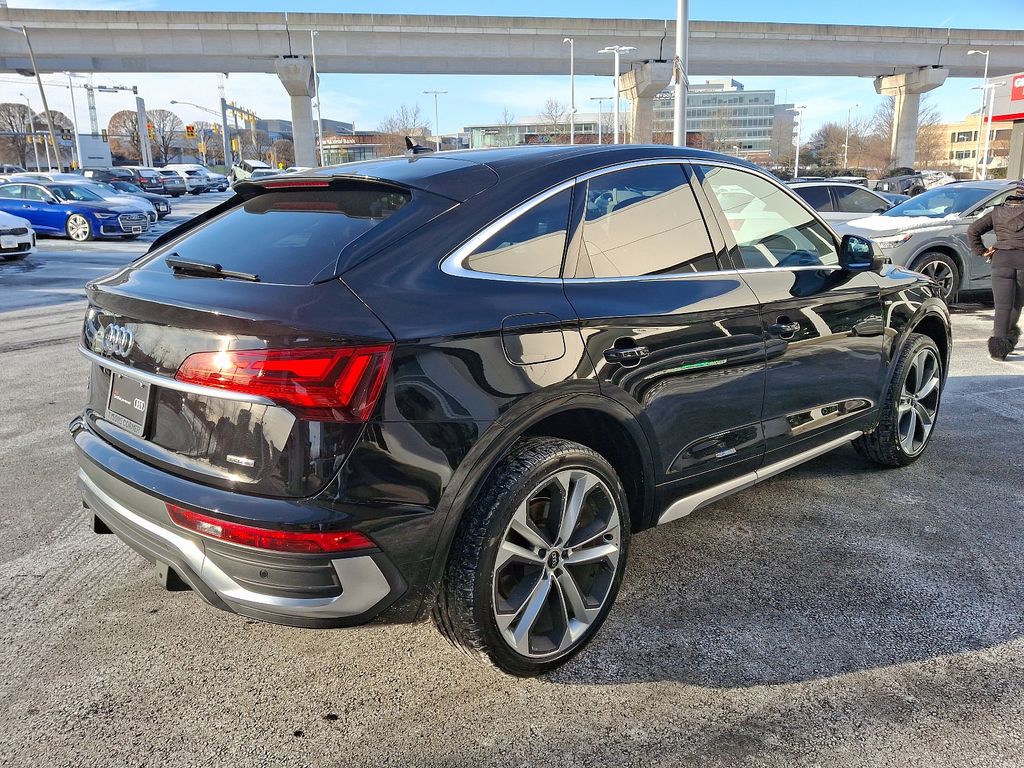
(125, 41)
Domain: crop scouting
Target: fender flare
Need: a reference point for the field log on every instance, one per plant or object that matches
(501, 435)
(931, 307)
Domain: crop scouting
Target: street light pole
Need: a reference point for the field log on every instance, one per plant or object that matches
(616, 50)
(316, 92)
(991, 88)
(74, 121)
(32, 129)
(572, 90)
(681, 64)
(437, 124)
(846, 145)
(796, 155)
(981, 112)
(600, 116)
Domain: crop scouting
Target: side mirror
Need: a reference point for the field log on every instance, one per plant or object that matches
(858, 254)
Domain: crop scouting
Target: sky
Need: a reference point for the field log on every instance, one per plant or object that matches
(367, 99)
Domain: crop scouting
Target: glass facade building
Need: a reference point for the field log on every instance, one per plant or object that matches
(723, 116)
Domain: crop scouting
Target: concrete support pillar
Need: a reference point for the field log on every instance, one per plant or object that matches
(1015, 163)
(640, 85)
(906, 89)
(296, 74)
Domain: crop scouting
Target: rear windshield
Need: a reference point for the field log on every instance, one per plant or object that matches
(288, 236)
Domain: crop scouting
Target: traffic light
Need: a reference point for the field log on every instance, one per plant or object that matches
(234, 145)
(149, 128)
(190, 131)
(66, 135)
(103, 135)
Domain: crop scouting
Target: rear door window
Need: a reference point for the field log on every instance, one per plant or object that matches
(288, 236)
(853, 200)
(816, 197)
(643, 221)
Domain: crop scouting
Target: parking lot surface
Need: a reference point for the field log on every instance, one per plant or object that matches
(61, 267)
(837, 615)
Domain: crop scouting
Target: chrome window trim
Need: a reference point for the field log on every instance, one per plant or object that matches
(454, 263)
(168, 383)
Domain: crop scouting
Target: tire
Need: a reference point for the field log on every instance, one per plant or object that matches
(904, 407)
(78, 228)
(483, 601)
(915, 191)
(941, 268)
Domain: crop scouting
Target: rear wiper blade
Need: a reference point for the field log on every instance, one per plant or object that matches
(202, 269)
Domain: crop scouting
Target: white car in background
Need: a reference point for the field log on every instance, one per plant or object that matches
(17, 238)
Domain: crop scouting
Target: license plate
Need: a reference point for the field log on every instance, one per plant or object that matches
(128, 403)
(8, 241)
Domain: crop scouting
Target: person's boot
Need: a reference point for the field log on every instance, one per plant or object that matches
(999, 347)
(1014, 336)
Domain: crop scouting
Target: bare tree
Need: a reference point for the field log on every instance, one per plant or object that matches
(123, 134)
(168, 133)
(716, 134)
(877, 146)
(507, 136)
(255, 144)
(826, 144)
(930, 136)
(552, 117)
(14, 125)
(283, 151)
(407, 121)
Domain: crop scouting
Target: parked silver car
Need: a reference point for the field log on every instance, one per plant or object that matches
(840, 201)
(928, 233)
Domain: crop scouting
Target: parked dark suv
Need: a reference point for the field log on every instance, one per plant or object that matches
(457, 384)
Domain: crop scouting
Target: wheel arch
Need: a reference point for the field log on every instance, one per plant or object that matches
(932, 325)
(599, 422)
(946, 250)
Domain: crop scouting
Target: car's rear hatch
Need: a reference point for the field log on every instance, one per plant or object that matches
(232, 354)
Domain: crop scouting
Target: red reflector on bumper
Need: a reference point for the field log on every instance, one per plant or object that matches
(303, 542)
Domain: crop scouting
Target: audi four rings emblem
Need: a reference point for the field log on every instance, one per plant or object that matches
(118, 340)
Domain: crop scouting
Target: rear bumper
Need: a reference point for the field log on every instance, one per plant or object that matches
(297, 590)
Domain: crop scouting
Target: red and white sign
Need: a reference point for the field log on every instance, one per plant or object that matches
(1017, 88)
(1008, 99)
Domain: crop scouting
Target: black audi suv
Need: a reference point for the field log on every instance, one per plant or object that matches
(456, 384)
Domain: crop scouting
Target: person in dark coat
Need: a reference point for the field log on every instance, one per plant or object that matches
(1007, 256)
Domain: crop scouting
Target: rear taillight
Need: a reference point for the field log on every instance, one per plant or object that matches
(324, 384)
(308, 542)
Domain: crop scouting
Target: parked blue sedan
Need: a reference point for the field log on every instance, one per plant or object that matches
(72, 210)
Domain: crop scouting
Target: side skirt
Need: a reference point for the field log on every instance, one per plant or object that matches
(687, 504)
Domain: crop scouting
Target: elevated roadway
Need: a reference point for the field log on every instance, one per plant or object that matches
(148, 41)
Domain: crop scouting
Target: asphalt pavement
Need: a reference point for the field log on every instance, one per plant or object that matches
(837, 615)
(61, 267)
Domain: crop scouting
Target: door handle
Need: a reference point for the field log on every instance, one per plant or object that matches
(626, 355)
(784, 328)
